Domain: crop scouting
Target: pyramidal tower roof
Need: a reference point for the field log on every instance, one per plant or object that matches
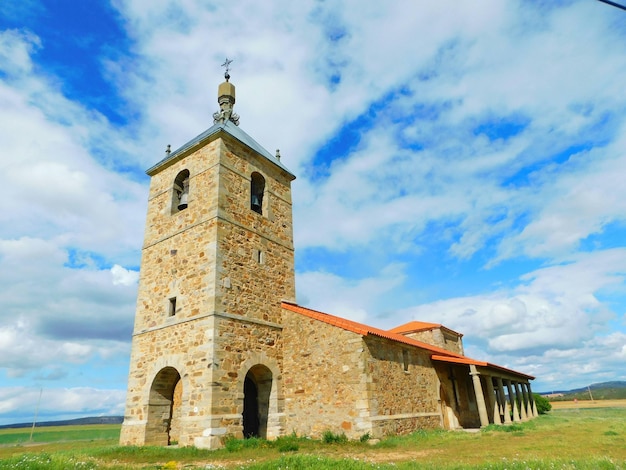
(224, 121)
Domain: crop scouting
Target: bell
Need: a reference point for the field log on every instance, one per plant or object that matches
(256, 203)
(182, 204)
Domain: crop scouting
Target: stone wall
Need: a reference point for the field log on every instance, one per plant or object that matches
(403, 388)
(439, 337)
(340, 381)
(324, 379)
(185, 347)
(255, 251)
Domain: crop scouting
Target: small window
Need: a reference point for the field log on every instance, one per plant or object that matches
(171, 310)
(405, 359)
(257, 189)
(180, 192)
(259, 256)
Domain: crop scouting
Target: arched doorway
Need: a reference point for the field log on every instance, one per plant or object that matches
(164, 408)
(257, 388)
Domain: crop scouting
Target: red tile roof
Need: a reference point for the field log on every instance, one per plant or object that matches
(415, 326)
(362, 329)
(439, 354)
(469, 361)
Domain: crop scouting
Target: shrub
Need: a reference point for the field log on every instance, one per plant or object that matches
(287, 443)
(330, 437)
(365, 437)
(542, 403)
(233, 445)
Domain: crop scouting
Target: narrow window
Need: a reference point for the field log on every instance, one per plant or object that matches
(257, 189)
(259, 257)
(180, 192)
(171, 310)
(405, 359)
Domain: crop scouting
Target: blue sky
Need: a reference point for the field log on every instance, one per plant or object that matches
(458, 162)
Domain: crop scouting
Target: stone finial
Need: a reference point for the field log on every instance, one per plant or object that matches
(226, 99)
(168, 150)
(278, 154)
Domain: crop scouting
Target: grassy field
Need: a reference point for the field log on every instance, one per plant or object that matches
(572, 405)
(570, 438)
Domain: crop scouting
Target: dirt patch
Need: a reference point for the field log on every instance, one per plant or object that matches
(384, 457)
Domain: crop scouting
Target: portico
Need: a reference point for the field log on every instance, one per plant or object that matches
(495, 395)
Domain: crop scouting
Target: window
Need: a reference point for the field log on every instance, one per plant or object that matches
(405, 359)
(257, 189)
(180, 192)
(171, 310)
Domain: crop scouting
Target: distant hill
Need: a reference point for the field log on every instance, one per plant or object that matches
(615, 390)
(68, 422)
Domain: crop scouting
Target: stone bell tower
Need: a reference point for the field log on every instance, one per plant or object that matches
(217, 261)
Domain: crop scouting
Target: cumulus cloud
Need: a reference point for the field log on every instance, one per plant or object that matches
(553, 323)
(351, 299)
(125, 277)
(16, 403)
(64, 213)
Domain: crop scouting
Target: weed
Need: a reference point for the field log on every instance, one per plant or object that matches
(499, 428)
(329, 437)
(232, 444)
(287, 444)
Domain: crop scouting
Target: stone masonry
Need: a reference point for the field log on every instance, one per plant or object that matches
(213, 261)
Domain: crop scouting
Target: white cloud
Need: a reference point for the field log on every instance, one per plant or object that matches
(554, 316)
(17, 404)
(351, 299)
(125, 277)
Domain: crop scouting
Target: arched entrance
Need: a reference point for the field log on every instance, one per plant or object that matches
(164, 408)
(257, 388)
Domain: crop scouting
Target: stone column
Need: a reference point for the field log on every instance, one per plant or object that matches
(505, 406)
(533, 405)
(526, 401)
(520, 398)
(480, 397)
(516, 417)
(493, 400)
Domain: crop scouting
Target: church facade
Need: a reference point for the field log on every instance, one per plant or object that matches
(221, 349)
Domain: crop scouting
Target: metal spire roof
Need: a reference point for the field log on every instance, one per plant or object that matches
(212, 132)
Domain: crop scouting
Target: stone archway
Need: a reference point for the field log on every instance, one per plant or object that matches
(257, 388)
(164, 405)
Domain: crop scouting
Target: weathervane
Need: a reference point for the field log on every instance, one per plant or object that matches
(226, 99)
(226, 64)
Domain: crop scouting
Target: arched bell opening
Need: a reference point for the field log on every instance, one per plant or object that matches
(180, 192)
(257, 190)
(257, 388)
(164, 408)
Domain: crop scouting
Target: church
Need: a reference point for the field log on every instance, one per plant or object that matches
(221, 349)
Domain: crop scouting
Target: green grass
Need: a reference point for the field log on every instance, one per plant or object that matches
(60, 433)
(563, 439)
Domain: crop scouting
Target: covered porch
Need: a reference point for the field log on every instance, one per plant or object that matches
(476, 394)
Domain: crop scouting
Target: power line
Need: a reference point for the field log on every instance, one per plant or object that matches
(613, 4)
